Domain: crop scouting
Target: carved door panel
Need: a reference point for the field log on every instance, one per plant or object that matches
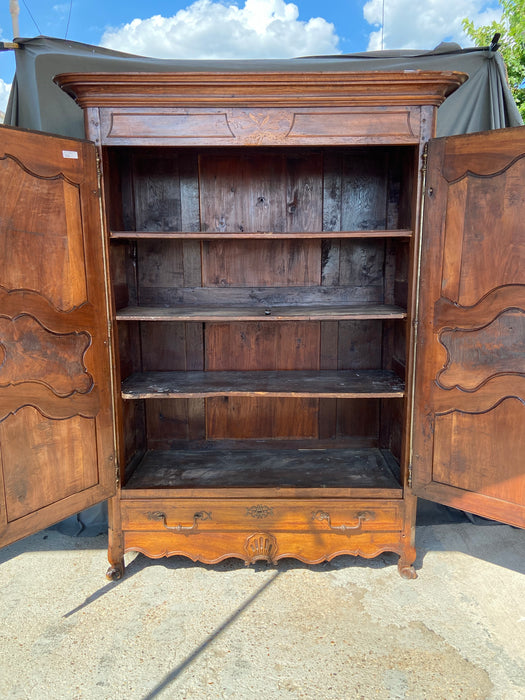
(469, 409)
(56, 417)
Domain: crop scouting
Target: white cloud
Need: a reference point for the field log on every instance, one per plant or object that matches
(423, 26)
(208, 29)
(5, 89)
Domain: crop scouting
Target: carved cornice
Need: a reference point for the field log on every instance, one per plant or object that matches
(270, 89)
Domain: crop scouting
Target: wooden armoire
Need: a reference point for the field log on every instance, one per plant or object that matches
(260, 313)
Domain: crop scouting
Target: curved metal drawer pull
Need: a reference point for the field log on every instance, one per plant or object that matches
(185, 529)
(361, 518)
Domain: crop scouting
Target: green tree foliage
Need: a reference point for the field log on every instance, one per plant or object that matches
(512, 29)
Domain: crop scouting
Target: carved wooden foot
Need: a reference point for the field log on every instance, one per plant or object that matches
(406, 570)
(115, 572)
(405, 563)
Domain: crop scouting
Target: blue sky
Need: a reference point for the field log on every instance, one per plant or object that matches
(242, 28)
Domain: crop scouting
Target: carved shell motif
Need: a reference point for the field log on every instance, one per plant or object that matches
(260, 127)
(261, 546)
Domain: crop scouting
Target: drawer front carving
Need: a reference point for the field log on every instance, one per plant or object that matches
(194, 516)
(261, 545)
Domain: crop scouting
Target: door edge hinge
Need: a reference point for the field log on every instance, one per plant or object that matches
(117, 473)
(410, 473)
(424, 158)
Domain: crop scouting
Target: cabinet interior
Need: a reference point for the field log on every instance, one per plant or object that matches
(261, 300)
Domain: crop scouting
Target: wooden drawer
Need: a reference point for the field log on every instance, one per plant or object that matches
(193, 516)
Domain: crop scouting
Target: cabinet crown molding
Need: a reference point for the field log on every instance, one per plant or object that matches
(276, 89)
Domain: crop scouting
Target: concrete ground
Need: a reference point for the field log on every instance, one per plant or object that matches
(347, 629)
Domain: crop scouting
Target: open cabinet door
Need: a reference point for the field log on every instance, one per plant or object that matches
(57, 452)
(469, 407)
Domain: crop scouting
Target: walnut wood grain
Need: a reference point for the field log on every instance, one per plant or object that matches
(310, 548)
(29, 483)
(270, 514)
(469, 403)
(57, 452)
(25, 342)
(477, 354)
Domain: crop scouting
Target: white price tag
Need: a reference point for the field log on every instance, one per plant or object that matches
(70, 154)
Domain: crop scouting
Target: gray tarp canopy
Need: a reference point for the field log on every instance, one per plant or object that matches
(484, 102)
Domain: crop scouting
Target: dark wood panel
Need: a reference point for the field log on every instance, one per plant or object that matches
(264, 313)
(160, 264)
(162, 190)
(156, 191)
(327, 384)
(361, 263)
(262, 346)
(261, 190)
(359, 344)
(171, 346)
(260, 297)
(261, 263)
(256, 417)
(123, 284)
(169, 422)
(134, 436)
(305, 469)
(361, 190)
(358, 417)
(364, 191)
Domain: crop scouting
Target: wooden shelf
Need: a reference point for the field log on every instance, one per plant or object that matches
(362, 470)
(262, 313)
(319, 384)
(240, 235)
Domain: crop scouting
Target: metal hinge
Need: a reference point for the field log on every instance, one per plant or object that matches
(424, 158)
(117, 474)
(99, 167)
(410, 473)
